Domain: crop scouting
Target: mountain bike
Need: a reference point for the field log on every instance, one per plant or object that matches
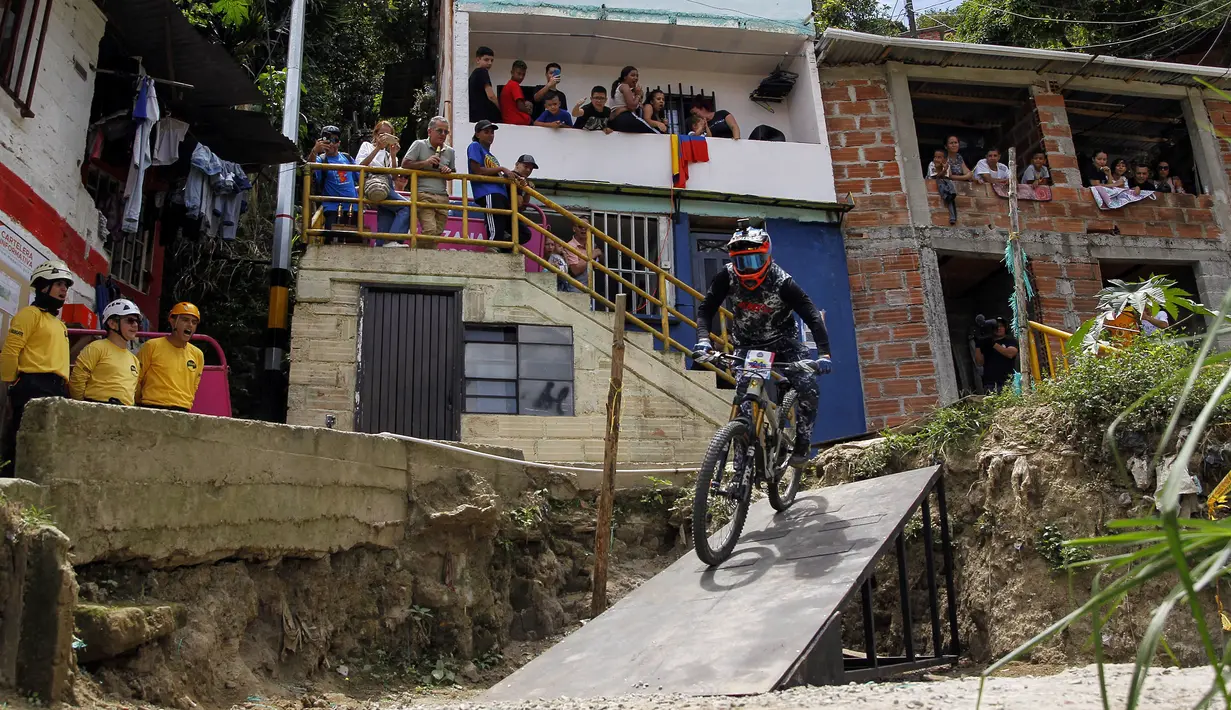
(751, 449)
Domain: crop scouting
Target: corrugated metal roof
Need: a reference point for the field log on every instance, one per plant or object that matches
(841, 47)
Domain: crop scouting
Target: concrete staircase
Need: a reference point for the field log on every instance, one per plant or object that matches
(634, 337)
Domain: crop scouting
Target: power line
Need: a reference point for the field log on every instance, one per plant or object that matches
(1148, 35)
(1216, 38)
(1089, 22)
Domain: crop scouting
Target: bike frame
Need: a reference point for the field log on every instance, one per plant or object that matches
(754, 394)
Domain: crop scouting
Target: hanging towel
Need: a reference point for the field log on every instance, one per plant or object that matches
(169, 135)
(146, 114)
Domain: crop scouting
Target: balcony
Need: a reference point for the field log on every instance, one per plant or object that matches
(789, 171)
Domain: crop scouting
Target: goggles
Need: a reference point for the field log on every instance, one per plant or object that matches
(749, 263)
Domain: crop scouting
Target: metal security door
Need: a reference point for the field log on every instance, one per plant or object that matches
(410, 358)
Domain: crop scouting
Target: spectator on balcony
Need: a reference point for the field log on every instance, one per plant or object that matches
(539, 93)
(719, 124)
(696, 125)
(484, 105)
(652, 111)
(431, 154)
(1036, 172)
(990, 169)
(492, 195)
(334, 183)
(627, 97)
(381, 152)
(593, 114)
(1168, 182)
(553, 116)
(939, 170)
(575, 261)
(1141, 180)
(512, 110)
(1097, 171)
(1119, 174)
(958, 169)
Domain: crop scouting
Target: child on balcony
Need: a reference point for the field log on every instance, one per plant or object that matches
(553, 116)
(940, 171)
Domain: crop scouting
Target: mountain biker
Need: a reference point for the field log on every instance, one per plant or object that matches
(766, 299)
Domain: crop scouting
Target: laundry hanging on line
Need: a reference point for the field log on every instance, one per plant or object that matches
(146, 114)
(216, 192)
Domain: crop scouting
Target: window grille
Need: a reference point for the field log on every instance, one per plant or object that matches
(678, 105)
(640, 234)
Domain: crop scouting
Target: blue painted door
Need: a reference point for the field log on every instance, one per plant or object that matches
(814, 254)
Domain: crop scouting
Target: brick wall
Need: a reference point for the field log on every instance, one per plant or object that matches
(1066, 288)
(864, 153)
(896, 360)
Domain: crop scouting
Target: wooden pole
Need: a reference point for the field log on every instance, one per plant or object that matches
(611, 442)
(1021, 328)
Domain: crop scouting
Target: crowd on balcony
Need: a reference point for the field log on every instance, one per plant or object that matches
(627, 107)
(1117, 181)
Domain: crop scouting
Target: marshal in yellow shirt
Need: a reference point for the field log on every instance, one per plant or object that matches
(169, 375)
(37, 342)
(105, 371)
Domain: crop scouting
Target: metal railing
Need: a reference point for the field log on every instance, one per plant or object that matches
(659, 326)
(1056, 359)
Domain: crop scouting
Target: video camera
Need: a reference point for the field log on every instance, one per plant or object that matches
(984, 328)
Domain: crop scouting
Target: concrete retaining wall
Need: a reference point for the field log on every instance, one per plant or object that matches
(178, 488)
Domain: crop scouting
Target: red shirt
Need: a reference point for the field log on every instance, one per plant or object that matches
(509, 96)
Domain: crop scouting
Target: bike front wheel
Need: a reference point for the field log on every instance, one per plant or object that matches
(720, 504)
(784, 480)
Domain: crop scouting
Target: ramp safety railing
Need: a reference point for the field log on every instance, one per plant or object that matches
(872, 665)
(659, 327)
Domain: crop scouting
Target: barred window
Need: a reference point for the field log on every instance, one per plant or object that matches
(23, 30)
(678, 105)
(644, 235)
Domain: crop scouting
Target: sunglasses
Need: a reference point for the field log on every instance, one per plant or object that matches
(333, 140)
(131, 320)
(442, 131)
(1164, 167)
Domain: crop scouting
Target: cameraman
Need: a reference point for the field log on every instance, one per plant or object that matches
(997, 355)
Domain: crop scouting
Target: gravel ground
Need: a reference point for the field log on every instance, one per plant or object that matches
(1075, 689)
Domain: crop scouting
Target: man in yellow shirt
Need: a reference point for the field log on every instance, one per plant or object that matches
(106, 370)
(171, 367)
(34, 359)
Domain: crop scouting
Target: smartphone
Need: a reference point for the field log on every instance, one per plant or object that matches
(555, 73)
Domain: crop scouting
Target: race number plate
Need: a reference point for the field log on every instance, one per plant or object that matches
(759, 360)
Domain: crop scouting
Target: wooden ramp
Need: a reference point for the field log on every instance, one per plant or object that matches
(766, 618)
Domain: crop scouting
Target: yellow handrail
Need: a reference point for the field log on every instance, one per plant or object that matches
(664, 278)
(1048, 333)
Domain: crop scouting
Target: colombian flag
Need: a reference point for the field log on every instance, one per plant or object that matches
(685, 150)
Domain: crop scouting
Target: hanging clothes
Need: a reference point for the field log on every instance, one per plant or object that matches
(146, 114)
(168, 135)
(216, 192)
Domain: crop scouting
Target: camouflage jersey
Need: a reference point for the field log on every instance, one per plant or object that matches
(763, 316)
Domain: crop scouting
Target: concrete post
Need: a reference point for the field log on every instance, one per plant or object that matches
(902, 118)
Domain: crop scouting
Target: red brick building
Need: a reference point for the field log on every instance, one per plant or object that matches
(917, 282)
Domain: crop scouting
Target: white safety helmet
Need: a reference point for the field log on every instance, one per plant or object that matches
(120, 307)
(53, 270)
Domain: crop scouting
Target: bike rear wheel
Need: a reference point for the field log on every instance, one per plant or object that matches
(784, 482)
(718, 512)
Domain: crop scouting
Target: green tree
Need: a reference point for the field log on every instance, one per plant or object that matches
(1117, 27)
(859, 15)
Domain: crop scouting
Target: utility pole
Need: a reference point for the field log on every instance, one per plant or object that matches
(1021, 325)
(277, 332)
(910, 16)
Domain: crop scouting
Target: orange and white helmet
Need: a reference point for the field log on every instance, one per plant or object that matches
(749, 249)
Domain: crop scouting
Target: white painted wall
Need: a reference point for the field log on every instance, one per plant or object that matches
(783, 170)
(799, 124)
(46, 150)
